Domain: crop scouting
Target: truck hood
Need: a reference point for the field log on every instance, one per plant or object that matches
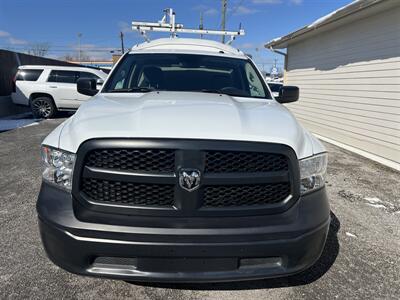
(183, 115)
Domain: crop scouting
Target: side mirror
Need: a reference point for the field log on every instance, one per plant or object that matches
(87, 86)
(288, 94)
(99, 81)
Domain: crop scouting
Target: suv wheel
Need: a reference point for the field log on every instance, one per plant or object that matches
(43, 107)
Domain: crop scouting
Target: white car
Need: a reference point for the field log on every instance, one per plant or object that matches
(183, 167)
(47, 89)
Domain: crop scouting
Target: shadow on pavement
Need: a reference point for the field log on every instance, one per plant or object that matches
(26, 119)
(63, 114)
(324, 263)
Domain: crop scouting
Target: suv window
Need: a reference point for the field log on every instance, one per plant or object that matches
(88, 75)
(63, 76)
(28, 74)
(187, 72)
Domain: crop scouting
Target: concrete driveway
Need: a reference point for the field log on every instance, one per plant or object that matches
(361, 259)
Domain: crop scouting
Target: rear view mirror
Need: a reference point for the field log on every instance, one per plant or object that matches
(87, 86)
(288, 94)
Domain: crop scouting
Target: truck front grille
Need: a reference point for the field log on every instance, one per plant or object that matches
(127, 193)
(254, 177)
(239, 161)
(163, 161)
(149, 160)
(245, 195)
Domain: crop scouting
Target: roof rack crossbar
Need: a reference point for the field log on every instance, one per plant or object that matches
(167, 24)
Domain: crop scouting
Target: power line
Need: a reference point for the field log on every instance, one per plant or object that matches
(233, 10)
(70, 47)
(59, 47)
(60, 50)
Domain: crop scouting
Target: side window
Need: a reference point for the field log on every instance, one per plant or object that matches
(255, 84)
(123, 75)
(28, 75)
(63, 76)
(88, 75)
(52, 77)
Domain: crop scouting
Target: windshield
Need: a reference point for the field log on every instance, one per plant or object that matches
(187, 72)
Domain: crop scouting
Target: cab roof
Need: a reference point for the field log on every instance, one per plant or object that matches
(186, 45)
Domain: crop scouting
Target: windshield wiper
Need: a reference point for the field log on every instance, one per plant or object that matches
(132, 90)
(216, 91)
(213, 91)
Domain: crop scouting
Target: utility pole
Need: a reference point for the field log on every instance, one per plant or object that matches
(79, 46)
(201, 26)
(121, 35)
(223, 18)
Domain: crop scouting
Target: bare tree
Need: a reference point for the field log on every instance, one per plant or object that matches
(68, 57)
(75, 58)
(39, 49)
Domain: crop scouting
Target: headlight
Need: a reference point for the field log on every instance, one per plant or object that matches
(58, 166)
(312, 172)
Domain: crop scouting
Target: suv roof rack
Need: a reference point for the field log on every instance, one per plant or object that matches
(167, 24)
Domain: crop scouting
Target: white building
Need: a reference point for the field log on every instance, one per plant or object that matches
(347, 65)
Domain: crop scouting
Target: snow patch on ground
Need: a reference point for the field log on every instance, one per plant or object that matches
(351, 234)
(373, 200)
(31, 124)
(377, 205)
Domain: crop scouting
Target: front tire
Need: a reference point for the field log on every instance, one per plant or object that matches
(43, 108)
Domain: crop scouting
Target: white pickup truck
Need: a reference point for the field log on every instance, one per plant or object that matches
(183, 167)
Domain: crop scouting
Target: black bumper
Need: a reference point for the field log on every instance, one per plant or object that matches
(279, 245)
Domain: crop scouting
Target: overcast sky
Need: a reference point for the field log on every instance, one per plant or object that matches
(58, 22)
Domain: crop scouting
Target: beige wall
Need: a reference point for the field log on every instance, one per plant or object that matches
(349, 80)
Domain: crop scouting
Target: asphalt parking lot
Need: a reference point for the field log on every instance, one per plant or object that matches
(361, 259)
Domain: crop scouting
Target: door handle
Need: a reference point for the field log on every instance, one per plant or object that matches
(53, 86)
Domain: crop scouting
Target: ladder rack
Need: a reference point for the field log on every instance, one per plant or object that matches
(167, 24)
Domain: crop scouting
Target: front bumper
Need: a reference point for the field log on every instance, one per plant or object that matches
(279, 245)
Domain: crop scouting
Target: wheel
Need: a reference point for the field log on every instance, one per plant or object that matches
(43, 107)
